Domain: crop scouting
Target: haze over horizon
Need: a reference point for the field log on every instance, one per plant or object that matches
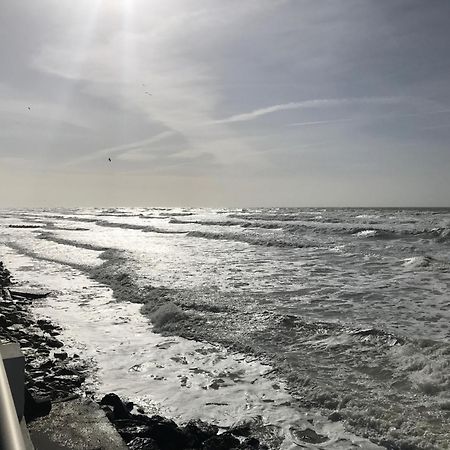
(211, 103)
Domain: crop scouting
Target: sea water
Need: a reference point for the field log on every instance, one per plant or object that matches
(290, 314)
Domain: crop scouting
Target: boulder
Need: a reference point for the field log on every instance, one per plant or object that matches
(167, 434)
(119, 409)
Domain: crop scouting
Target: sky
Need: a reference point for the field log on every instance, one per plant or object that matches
(224, 103)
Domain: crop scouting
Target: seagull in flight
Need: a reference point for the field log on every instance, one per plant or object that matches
(29, 108)
(109, 159)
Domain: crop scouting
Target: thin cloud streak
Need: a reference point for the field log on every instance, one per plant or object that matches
(315, 103)
(384, 116)
(120, 148)
(318, 122)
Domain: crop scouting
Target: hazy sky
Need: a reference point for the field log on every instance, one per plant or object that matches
(253, 102)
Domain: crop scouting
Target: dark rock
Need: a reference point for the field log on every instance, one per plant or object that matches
(66, 371)
(37, 373)
(167, 434)
(108, 412)
(66, 380)
(250, 443)
(119, 409)
(61, 355)
(335, 416)
(53, 343)
(4, 322)
(223, 441)
(16, 328)
(24, 343)
(143, 444)
(241, 428)
(199, 431)
(129, 406)
(28, 293)
(45, 325)
(47, 364)
(35, 408)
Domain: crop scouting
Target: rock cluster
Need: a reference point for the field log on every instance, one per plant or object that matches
(5, 276)
(142, 432)
(49, 373)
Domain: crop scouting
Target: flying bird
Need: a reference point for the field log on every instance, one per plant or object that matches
(29, 108)
(147, 93)
(109, 159)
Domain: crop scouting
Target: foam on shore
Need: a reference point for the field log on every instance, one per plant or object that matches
(179, 378)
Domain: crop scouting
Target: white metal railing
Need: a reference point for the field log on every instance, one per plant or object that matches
(11, 437)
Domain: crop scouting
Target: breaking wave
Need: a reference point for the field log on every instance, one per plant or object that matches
(268, 241)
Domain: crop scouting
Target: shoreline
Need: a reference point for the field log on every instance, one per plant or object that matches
(53, 375)
(124, 290)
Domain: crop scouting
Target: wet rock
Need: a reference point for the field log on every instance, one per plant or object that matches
(47, 364)
(60, 355)
(4, 322)
(16, 328)
(244, 426)
(335, 416)
(35, 407)
(66, 371)
(250, 444)
(199, 431)
(119, 409)
(53, 343)
(24, 343)
(129, 406)
(67, 380)
(224, 441)
(45, 325)
(28, 293)
(143, 444)
(167, 434)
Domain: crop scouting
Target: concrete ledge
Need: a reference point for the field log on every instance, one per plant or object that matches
(75, 425)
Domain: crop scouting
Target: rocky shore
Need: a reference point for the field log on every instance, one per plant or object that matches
(54, 375)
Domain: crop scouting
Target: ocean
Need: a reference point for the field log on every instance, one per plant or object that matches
(332, 319)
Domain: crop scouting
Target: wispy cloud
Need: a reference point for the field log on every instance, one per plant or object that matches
(318, 122)
(124, 148)
(372, 117)
(314, 103)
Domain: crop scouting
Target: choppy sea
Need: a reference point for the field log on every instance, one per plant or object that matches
(333, 320)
